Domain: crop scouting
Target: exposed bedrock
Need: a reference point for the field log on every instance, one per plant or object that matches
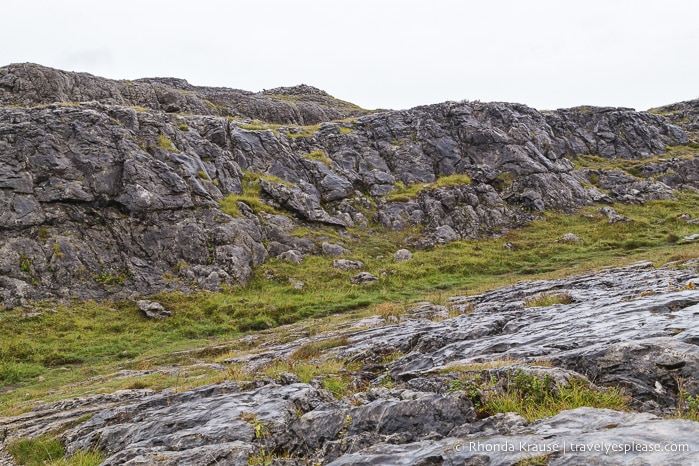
(112, 188)
(631, 328)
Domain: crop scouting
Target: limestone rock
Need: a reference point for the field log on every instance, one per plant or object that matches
(346, 264)
(570, 238)
(402, 255)
(445, 234)
(330, 249)
(152, 309)
(364, 278)
(137, 168)
(292, 255)
(612, 215)
(419, 415)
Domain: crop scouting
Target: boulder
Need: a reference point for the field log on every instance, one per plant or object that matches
(570, 238)
(330, 249)
(152, 309)
(612, 215)
(292, 255)
(346, 264)
(402, 255)
(364, 278)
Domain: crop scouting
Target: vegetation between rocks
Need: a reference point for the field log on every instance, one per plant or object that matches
(48, 451)
(634, 166)
(404, 193)
(535, 397)
(251, 196)
(87, 340)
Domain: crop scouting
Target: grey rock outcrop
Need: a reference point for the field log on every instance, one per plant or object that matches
(292, 255)
(92, 207)
(570, 238)
(28, 84)
(580, 436)
(113, 188)
(402, 255)
(347, 264)
(330, 249)
(152, 309)
(612, 215)
(364, 278)
(683, 114)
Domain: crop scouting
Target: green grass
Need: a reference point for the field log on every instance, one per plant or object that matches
(305, 370)
(47, 451)
(536, 460)
(87, 339)
(536, 397)
(25, 263)
(37, 451)
(260, 126)
(250, 195)
(303, 131)
(314, 349)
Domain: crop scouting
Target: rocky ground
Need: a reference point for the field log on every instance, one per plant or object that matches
(632, 327)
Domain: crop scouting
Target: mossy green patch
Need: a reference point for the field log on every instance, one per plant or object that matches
(320, 156)
(165, 143)
(251, 195)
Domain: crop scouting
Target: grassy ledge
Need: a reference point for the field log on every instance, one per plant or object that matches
(404, 193)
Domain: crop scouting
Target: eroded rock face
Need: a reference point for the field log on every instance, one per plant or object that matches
(632, 328)
(90, 205)
(115, 189)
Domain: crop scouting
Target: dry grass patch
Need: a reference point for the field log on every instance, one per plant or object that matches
(388, 310)
(314, 349)
(549, 299)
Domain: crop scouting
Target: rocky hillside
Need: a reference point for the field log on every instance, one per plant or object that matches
(112, 188)
(124, 189)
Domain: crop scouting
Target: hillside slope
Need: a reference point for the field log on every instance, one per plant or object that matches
(108, 188)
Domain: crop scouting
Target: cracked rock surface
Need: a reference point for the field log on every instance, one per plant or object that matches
(631, 327)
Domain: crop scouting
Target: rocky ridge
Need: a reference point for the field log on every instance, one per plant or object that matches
(113, 188)
(428, 413)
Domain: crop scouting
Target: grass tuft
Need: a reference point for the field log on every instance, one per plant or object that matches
(38, 451)
(165, 143)
(251, 195)
(549, 299)
(315, 348)
(320, 156)
(536, 397)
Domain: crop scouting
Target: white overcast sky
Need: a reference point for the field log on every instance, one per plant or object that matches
(378, 54)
